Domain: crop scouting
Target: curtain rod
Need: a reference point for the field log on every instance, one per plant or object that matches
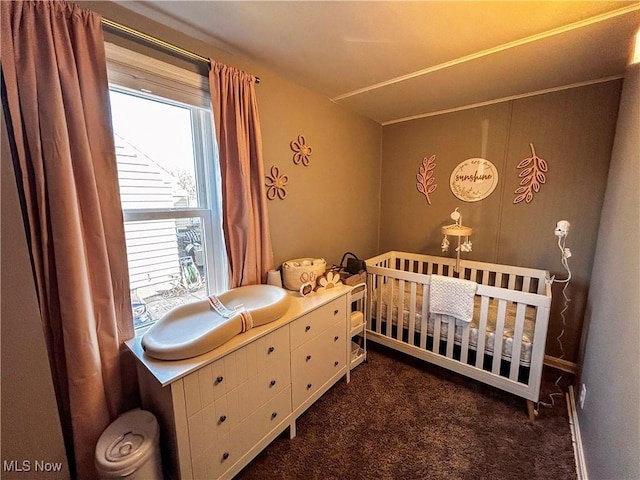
(156, 41)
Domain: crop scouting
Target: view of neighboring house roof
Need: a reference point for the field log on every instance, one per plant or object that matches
(144, 183)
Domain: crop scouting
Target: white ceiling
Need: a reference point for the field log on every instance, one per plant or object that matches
(393, 60)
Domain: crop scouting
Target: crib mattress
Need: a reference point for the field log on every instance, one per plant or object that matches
(490, 335)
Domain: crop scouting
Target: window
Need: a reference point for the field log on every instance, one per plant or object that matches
(169, 184)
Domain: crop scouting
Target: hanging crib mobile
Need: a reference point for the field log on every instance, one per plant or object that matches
(456, 230)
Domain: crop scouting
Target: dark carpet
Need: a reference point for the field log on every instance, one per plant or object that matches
(401, 418)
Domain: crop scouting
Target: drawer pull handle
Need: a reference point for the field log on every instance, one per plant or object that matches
(308, 357)
(335, 364)
(335, 312)
(274, 415)
(307, 328)
(225, 455)
(272, 383)
(308, 386)
(222, 419)
(219, 380)
(335, 339)
(271, 350)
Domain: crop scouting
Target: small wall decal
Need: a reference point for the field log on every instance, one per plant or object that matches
(426, 179)
(532, 175)
(474, 179)
(302, 151)
(276, 184)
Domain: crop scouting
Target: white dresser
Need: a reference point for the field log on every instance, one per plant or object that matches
(219, 410)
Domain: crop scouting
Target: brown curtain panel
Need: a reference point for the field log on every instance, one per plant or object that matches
(55, 95)
(245, 219)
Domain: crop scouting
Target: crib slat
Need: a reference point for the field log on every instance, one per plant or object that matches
(379, 303)
(424, 323)
(412, 312)
(512, 282)
(482, 331)
(400, 308)
(485, 277)
(390, 308)
(474, 275)
(526, 284)
(436, 333)
(537, 350)
(517, 342)
(464, 352)
(497, 338)
(498, 280)
(451, 334)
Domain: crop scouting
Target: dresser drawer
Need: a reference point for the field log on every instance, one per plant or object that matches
(203, 386)
(215, 380)
(227, 451)
(224, 454)
(203, 464)
(272, 413)
(315, 362)
(213, 423)
(230, 410)
(269, 383)
(242, 438)
(273, 349)
(317, 321)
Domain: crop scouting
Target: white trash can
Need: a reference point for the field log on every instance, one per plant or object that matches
(130, 448)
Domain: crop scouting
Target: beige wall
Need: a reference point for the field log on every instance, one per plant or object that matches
(331, 205)
(572, 130)
(610, 419)
(30, 424)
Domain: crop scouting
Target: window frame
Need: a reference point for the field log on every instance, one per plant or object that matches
(136, 74)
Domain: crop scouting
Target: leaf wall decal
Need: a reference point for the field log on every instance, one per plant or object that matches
(532, 174)
(425, 177)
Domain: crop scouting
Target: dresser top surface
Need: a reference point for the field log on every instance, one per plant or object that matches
(168, 371)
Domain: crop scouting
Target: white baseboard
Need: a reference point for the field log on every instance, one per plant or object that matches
(581, 467)
(561, 364)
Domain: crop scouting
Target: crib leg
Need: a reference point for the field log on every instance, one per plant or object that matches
(532, 411)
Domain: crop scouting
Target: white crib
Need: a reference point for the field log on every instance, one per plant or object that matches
(504, 344)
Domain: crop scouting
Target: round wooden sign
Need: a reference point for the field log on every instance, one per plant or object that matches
(474, 179)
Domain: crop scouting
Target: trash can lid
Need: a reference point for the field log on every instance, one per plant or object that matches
(127, 443)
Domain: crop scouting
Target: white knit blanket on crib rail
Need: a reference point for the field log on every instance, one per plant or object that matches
(452, 296)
